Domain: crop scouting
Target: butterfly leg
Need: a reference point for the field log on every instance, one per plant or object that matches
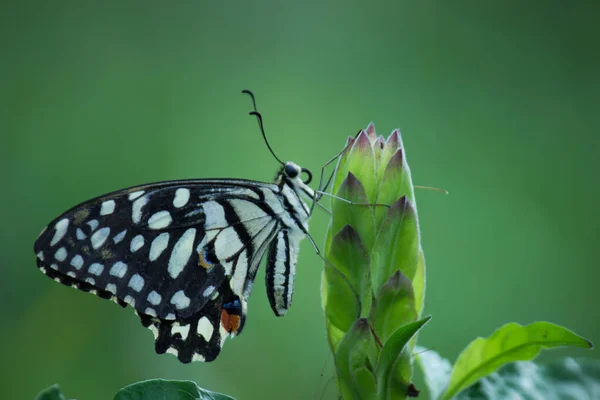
(321, 187)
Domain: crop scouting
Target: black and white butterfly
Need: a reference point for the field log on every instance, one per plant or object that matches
(184, 254)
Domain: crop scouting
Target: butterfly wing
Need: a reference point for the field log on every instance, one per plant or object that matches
(180, 253)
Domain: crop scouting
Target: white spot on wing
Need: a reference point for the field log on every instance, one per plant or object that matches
(182, 196)
(71, 274)
(99, 237)
(198, 357)
(93, 224)
(214, 214)
(180, 300)
(154, 330)
(154, 298)
(247, 210)
(120, 236)
(183, 330)
(181, 252)
(111, 287)
(241, 271)
(208, 291)
(135, 195)
(136, 283)
(273, 201)
(61, 254)
(61, 229)
(159, 220)
(172, 350)
(129, 300)
(224, 334)
(159, 244)
(227, 243)
(119, 269)
(77, 261)
(80, 235)
(150, 311)
(251, 193)
(136, 243)
(136, 208)
(96, 269)
(40, 255)
(205, 328)
(108, 207)
(91, 281)
(227, 266)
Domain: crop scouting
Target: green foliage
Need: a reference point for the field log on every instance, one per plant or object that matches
(153, 389)
(394, 366)
(161, 389)
(51, 393)
(512, 342)
(564, 379)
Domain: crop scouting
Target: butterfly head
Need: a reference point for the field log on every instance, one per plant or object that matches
(293, 172)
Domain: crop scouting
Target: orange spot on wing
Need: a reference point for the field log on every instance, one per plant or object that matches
(230, 322)
(234, 322)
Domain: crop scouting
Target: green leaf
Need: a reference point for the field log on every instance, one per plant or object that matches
(394, 306)
(341, 168)
(390, 147)
(334, 335)
(354, 376)
(340, 301)
(418, 282)
(361, 163)
(436, 370)
(349, 256)
(397, 245)
(359, 217)
(396, 180)
(51, 393)
(563, 379)
(512, 342)
(393, 366)
(161, 389)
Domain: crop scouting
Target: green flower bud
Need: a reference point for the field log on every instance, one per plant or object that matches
(373, 283)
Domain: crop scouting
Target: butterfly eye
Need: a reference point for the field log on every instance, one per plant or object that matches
(308, 175)
(291, 170)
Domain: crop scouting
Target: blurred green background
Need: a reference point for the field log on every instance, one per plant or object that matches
(497, 102)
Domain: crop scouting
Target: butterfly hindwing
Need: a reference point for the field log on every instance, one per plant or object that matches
(200, 336)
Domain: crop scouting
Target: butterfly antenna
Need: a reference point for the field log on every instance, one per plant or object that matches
(260, 123)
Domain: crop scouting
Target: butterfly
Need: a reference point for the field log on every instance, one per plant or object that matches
(184, 254)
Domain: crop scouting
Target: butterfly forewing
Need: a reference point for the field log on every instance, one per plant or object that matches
(184, 254)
